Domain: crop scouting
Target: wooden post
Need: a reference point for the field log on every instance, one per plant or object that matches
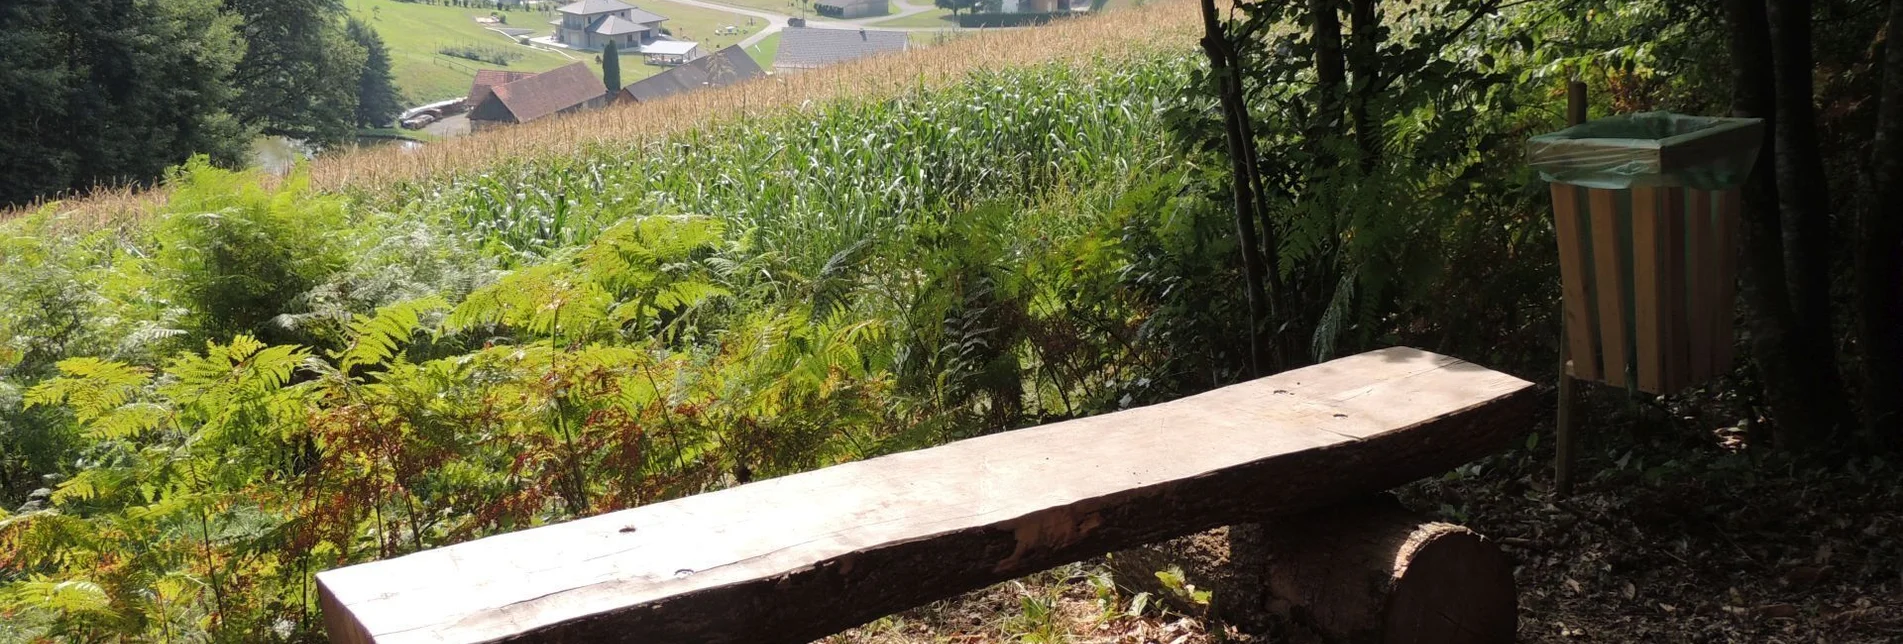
(1566, 447)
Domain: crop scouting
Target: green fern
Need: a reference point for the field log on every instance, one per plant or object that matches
(374, 340)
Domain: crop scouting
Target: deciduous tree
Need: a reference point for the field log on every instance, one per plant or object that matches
(377, 100)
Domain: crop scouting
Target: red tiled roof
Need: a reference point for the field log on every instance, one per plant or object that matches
(549, 92)
(489, 78)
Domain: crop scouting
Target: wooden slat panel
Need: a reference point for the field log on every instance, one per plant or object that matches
(1672, 310)
(796, 558)
(1703, 301)
(1723, 324)
(1608, 260)
(1648, 268)
(1574, 296)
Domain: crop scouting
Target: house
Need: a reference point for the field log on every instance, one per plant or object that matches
(807, 47)
(724, 67)
(592, 24)
(486, 79)
(852, 8)
(670, 52)
(557, 91)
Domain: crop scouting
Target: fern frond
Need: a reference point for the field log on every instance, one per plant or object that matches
(376, 339)
(91, 386)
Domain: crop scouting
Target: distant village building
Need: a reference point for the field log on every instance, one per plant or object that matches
(592, 24)
(807, 47)
(852, 8)
(486, 80)
(724, 67)
(557, 91)
(670, 52)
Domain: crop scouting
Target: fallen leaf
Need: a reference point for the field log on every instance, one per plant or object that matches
(1778, 611)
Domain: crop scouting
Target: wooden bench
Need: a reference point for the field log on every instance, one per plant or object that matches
(797, 558)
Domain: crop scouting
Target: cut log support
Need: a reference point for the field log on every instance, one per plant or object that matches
(1361, 572)
(799, 557)
(1372, 572)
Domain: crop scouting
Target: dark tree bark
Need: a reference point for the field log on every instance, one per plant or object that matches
(1880, 253)
(1331, 74)
(1788, 373)
(1804, 199)
(1363, 47)
(1243, 183)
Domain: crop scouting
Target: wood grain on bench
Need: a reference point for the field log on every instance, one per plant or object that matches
(803, 556)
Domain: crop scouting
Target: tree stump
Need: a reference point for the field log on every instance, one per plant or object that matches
(1374, 572)
(1356, 573)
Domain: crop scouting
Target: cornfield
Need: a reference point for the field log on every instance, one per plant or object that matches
(1104, 40)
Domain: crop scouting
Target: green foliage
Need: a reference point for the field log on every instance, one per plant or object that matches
(611, 67)
(378, 102)
(236, 255)
(480, 53)
(112, 92)
(301, 72)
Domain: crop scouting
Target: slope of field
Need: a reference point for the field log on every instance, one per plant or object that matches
(1158, 26)
(414, 33)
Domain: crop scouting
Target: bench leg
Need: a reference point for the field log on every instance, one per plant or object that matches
(1365, 571)
(1374, 572)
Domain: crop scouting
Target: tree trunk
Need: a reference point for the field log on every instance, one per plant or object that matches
(1787, 369)
(1880, 253)
(1216, 46)
(1365, 25)
(1804, 199)
(1331, 76)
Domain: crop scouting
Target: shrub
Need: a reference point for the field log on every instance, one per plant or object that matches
(236, 254)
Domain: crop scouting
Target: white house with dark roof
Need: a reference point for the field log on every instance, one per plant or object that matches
(592, 24)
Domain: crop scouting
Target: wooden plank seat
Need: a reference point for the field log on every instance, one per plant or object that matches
(800, 557)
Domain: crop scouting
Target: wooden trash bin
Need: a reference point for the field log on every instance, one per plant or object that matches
(1646, 206)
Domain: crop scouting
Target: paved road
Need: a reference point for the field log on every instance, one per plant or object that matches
(777, 21)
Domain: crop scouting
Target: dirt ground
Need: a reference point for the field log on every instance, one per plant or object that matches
(1679, 533)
